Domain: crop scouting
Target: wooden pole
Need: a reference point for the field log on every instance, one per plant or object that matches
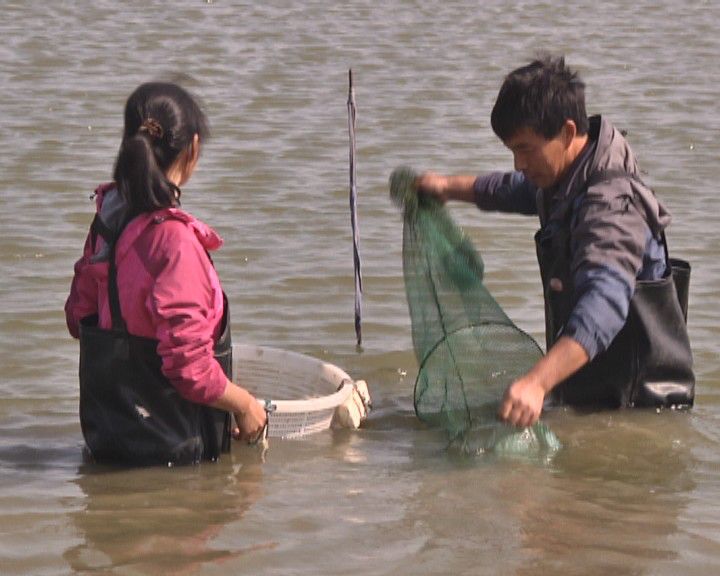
(352, 113)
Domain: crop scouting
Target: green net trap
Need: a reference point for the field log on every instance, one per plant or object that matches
(468, 350)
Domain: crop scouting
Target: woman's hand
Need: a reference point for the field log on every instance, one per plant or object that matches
(250, 422)
(249, 414)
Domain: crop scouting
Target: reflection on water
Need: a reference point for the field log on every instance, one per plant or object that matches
(613, 499)
(610, 502)
(154, 521)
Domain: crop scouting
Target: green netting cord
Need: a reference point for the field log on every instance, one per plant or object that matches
(467, 348)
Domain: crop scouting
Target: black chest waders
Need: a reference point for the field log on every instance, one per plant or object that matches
(649, 362)
(129, 411)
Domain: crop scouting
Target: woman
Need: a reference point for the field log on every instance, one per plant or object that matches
(147, 303)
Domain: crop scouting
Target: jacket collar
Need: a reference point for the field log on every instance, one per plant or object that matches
(209, 239)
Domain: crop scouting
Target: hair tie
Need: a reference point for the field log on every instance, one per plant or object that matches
(152, 127)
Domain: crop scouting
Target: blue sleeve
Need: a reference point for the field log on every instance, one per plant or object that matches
(506, 192)
(603, 299)
(654, 265)
(602, 303)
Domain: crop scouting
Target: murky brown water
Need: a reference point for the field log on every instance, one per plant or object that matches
(631, 493)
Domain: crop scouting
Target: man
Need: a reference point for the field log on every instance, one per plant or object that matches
(615, 328)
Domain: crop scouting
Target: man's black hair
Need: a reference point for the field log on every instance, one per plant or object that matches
(540, 96)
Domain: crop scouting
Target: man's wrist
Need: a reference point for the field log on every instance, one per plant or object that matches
(460, 188)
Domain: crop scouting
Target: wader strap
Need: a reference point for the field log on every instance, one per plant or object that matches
(110, 237)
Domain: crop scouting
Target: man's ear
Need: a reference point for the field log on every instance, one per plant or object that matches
(569, 132)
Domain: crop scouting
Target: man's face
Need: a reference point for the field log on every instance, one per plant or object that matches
(542, 161)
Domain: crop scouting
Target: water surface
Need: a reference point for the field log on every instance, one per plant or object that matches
(631, 492)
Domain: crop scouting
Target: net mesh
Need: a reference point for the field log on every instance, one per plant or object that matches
(468, 350)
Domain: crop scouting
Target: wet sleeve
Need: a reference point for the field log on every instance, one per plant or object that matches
(183, 305)
(506, 192)
(607, 245)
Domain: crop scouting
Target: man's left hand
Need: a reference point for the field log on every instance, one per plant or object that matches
(522, 402)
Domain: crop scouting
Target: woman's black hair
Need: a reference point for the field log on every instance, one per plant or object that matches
(161, 120)
(540, 96)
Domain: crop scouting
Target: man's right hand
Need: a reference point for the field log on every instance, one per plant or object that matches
(444, 188)
(434, 185)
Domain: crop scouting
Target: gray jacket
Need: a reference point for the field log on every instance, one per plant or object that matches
(616, 229)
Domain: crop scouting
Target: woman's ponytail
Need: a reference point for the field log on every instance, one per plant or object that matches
(139, 179)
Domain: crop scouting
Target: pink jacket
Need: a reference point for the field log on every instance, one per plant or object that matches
(168, 291)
